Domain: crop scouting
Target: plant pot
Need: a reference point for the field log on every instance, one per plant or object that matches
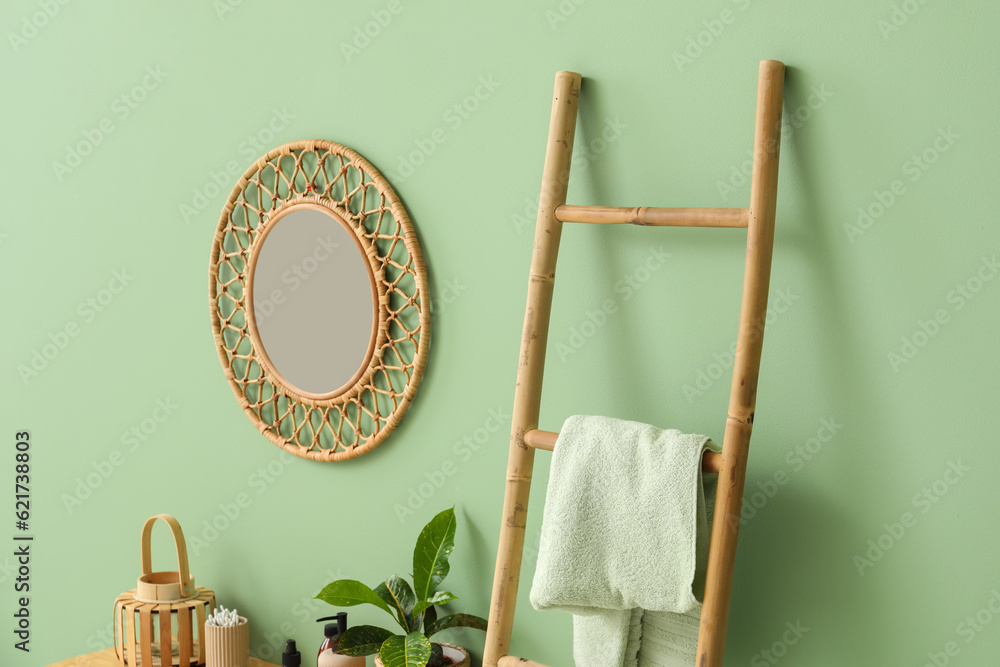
(228, 647)
(459, 656)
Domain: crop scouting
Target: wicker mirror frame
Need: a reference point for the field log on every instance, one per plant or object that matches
(358, 416)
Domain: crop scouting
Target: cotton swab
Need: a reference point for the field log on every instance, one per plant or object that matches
(223, 618)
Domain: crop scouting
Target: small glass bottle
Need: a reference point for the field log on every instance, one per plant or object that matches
(291, 657)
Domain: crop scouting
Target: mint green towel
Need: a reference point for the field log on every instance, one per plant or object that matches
(669, 639)
(625, 531)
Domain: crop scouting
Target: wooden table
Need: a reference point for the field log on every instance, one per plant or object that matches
(107, 658)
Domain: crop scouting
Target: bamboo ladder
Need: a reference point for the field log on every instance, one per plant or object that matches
(731, 464)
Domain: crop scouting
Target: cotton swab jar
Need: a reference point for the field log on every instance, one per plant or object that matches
(227, 639)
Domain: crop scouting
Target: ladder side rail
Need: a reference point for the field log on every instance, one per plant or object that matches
(743, 395)
(527, 397)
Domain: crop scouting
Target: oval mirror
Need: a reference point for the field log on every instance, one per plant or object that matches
(318, 301)
(313, 302)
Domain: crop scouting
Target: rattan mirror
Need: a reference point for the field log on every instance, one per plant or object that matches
(318, 298)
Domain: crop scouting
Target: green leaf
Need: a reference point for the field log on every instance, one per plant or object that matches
(396, 593)
(430, 617)
(348, 592)
(441, 597)
(430, 556)
(363, 640)
(413, 650)
(456, 621)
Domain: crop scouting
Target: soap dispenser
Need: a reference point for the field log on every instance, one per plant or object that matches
(329, 655)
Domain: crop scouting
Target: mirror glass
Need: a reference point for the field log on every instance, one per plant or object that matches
(313, 301)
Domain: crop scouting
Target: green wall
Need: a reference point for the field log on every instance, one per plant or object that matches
(880, 367)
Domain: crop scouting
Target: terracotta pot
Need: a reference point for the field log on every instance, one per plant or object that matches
(459, 655)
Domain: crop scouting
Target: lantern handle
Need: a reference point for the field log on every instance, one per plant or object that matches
(179, 543)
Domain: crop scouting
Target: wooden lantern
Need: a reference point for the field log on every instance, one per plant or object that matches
(161, 622)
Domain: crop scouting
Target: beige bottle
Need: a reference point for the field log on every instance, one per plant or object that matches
(328, 656)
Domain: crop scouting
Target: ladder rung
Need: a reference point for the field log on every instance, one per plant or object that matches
(546, 440)
(655, 217)
(511, 661)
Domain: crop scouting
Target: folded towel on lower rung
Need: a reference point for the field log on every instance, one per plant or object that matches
(625, 529)
(668, 639)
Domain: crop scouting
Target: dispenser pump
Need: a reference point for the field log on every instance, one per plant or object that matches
(333, 631)
(291, 657)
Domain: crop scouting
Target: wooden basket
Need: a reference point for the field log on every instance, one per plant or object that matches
(161, 622)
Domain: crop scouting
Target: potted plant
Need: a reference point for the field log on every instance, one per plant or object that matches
(413, 608)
